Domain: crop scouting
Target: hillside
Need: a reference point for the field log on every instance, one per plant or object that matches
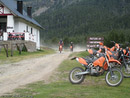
(74, 19)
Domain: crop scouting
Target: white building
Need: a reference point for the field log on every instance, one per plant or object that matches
(15, 23)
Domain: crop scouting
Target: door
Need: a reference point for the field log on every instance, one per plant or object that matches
(2, 27)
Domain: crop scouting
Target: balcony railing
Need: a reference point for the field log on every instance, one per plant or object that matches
(17, 36)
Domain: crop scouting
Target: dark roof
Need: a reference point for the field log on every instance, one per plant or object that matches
(12, 5)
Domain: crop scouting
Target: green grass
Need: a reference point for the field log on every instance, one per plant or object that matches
(81, 54)
(60, 87)
(24, 55)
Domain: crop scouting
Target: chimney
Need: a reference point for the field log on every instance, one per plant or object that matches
(29, 11)
(20, 6)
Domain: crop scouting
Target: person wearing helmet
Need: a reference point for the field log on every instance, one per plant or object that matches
(61, 42)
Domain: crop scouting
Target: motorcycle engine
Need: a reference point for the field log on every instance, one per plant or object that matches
(94, 70)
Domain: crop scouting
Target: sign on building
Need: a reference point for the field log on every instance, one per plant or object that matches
(93, 42)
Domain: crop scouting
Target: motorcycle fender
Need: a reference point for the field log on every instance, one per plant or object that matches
(113, 60)
(82, 61)
(90, 51)
(109, 52)
(112, 49)
(124, 51)
(60, 46)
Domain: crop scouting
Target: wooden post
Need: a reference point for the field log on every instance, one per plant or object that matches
(6, 49)
(18, 46)
(11, 49)
(20, 49)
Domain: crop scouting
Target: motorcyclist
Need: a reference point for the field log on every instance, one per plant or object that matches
(61, 44)
(71, 46)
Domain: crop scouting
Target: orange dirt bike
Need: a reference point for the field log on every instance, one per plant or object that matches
(124, 58)
(97, 67)
(120, 54)
(113, 52)
(71, 48)
(60, 48)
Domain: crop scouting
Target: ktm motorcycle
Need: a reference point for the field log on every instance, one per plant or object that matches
(60, 48)
(71, 48)
(124, 58)
(122, 55)
(97, 67)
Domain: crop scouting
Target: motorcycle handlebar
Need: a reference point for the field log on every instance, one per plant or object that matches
(113, 42)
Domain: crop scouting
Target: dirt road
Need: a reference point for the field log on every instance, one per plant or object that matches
(14, 75)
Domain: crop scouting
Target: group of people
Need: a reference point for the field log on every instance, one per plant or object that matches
(61, 44)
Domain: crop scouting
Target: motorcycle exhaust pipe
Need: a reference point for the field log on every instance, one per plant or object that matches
(82, 73)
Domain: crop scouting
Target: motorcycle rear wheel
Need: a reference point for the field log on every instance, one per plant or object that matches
(115, 79)
(76, 79)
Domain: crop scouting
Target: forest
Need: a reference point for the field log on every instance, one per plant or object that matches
(76, 20)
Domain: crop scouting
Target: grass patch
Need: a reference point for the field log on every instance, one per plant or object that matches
(60, 87)
(81, 54)
(24, 55)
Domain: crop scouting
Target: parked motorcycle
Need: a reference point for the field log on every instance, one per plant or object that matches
(122, 55)
(97, 67)
(124, 58)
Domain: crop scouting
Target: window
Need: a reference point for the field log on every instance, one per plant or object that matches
(2, 26)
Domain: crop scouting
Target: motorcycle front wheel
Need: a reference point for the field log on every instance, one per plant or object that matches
(115, 78)
(60, 49)
(126, 70)
(76, 79)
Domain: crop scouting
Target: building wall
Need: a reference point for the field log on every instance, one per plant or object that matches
(10, 23)
(21, 26)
